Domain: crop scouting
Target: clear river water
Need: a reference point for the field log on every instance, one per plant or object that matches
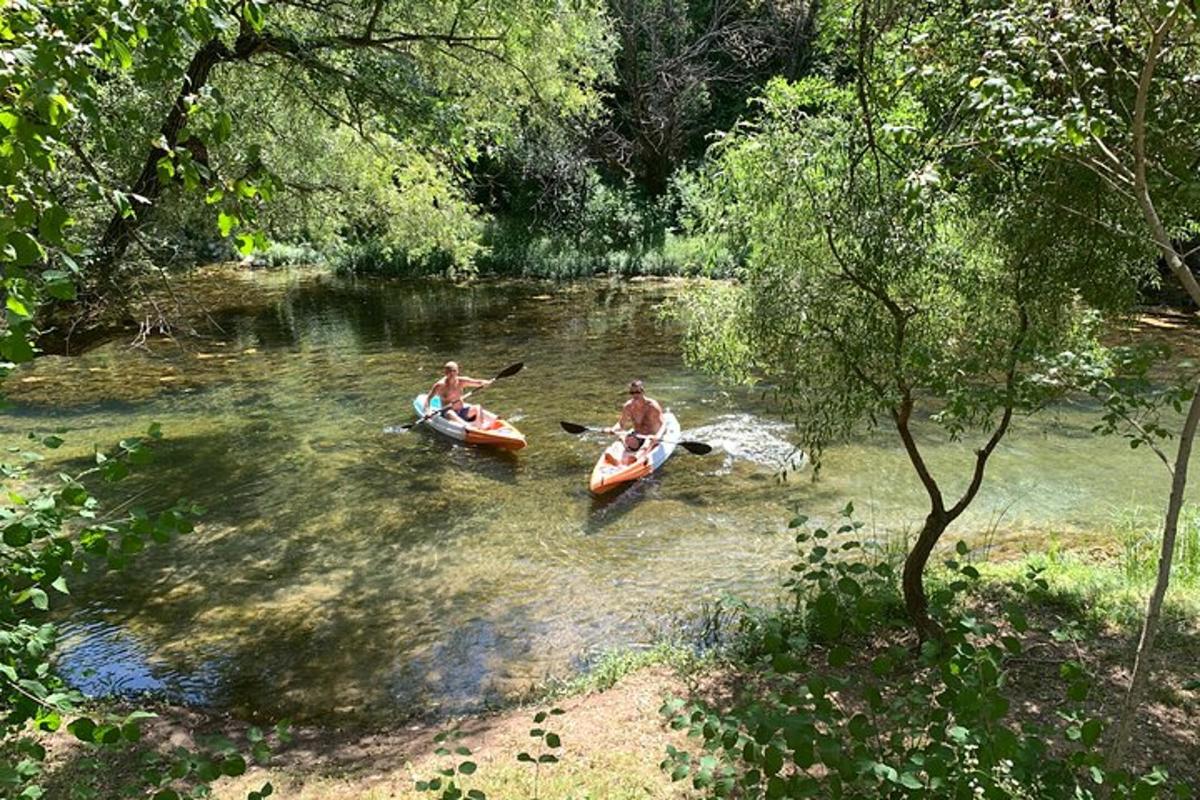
(345, 573)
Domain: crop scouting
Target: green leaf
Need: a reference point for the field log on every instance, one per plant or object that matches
(83, 729)
(467, 767)
(54, 219)
(1091, 731)
(860, 727)
(226, 223)
(26, 250)
(17, 307)
(40, 599)
(122, 52)
(17, 535)
(839, 656)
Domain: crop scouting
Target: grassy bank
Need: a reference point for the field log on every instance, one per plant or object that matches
(514, 253)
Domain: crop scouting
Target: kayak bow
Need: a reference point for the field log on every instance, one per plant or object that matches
(610, 472)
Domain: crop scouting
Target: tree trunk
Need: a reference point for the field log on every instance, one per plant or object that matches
(147, 187)
(1143, 660)
(913, 580)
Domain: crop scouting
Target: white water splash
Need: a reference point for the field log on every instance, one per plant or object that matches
(745, 437)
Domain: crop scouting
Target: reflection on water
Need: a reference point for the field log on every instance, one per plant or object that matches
(346, 572)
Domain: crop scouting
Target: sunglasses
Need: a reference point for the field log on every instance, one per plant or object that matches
(636, 392)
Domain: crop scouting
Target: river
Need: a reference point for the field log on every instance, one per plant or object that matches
(342, 573)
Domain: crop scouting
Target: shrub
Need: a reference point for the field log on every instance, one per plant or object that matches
(841, 712)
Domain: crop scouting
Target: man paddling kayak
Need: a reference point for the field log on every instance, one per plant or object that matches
(645, 416)
(450, 389)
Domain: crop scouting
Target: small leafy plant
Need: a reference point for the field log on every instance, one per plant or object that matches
(445, 785)
(547, 741)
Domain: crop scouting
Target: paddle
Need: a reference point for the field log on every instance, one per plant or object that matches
(507, 372)
(697, 448)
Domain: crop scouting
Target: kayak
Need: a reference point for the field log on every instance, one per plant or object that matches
(610, 472)
(491, 430)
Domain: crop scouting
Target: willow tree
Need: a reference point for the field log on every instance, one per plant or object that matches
(877, 287)
(84, 170)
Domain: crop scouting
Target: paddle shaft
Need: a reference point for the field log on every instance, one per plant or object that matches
(698, 448)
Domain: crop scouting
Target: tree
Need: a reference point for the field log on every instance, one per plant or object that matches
(685, 69)
(438, 76)
(1116, 90)
(879, 285)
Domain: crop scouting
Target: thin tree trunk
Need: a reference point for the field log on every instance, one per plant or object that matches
(1142, 663)
(940, 518)
(1143, 659)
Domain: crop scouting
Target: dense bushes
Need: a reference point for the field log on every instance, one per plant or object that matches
(617, 231)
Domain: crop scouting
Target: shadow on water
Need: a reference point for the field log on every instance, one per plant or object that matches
(609, 508)
(492, 463)
(323, 588)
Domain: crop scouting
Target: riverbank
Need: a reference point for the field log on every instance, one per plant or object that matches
(614, 735)
(514, 255)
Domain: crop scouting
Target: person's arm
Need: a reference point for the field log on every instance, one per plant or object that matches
(473, 383)
(615, 429)
(432, 393)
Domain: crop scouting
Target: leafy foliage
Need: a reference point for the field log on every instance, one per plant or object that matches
(839, 713)
(90, 152)
(51, 533)
(447, 784)
(857, 294)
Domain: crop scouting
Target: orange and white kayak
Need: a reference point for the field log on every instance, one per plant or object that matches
(612, 470)
(488, 429)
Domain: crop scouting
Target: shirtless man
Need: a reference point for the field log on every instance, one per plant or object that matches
(645, 416)
(450, 389)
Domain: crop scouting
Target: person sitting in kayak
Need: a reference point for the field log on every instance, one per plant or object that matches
(641, 422)
(450, 389)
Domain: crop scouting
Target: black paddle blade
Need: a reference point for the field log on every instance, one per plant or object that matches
(572, 427)
(698, 448)
(510, 370)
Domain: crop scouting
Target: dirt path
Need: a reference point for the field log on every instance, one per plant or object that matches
(612, 743)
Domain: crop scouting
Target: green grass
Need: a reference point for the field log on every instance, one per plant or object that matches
(1139, 531)
(1098, 594)
(614, 665)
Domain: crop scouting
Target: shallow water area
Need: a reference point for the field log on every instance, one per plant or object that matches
(344, 572)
